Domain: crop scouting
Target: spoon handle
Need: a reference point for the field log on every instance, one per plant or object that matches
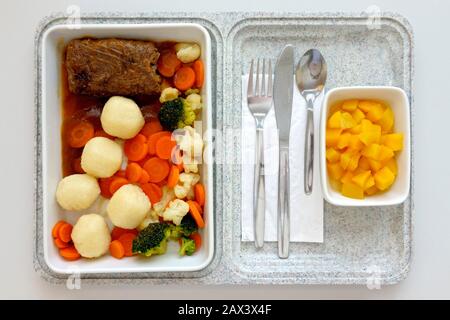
(309, 149)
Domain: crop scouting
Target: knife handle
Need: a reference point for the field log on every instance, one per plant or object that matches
(283, 204)
(309, 152)
(259, 195)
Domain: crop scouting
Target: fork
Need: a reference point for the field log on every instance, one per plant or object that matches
(259, 101)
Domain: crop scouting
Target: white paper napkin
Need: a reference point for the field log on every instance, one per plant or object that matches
(306, 212)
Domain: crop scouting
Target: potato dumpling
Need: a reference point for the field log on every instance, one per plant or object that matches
(121, 117)
(128, 207)
(187, 52)
(101, 157)
(77, 192)
(91, 236)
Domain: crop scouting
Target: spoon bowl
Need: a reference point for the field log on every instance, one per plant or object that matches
(311, 73)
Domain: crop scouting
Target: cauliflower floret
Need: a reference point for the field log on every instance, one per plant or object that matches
(195, 100)
(190, 167)
(189, 164)
(190, 91)
(151, 217)
(175, 212)
(169, 94)
(187, 52)
(186, 181)
(168, 195)
(191, 143)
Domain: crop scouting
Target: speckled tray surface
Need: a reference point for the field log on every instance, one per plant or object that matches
(360, 244)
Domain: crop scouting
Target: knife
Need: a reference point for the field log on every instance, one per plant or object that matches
(282, 99)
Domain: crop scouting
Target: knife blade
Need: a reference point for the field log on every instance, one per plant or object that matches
(283, 88)
(283, 91)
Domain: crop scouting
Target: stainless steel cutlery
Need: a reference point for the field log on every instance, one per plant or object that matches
(310, 76)
(259, 101)
(282, 99)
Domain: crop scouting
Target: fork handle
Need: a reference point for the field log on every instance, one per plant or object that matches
(259, 195)
(309, 151)
(283, 204)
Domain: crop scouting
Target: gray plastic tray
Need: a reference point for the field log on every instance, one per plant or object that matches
(361, 245)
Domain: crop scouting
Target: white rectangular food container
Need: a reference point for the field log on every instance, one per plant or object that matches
(397, 99)
(54, 41)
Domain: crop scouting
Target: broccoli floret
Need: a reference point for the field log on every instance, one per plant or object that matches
(176, 113)
(187, 227)
(188, 115)
(187, 247)
(176, 232)
(171, 113)
(152, 240)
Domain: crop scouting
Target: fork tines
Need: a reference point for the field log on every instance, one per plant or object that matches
(259, 88)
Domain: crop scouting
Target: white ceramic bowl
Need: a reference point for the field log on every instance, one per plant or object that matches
(398, 100)
(54, 41)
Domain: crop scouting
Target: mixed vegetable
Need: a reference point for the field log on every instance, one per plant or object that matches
(144, 170)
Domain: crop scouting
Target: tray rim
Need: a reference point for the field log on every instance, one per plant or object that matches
(222, 28)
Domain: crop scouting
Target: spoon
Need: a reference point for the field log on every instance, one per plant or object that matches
(310, 77)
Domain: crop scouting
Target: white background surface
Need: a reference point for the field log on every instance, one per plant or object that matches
(430, 270)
